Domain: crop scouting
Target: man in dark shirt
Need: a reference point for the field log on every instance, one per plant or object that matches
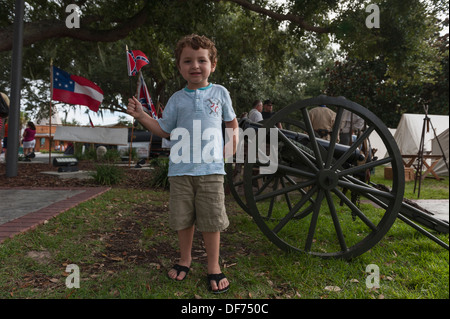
(267, 111)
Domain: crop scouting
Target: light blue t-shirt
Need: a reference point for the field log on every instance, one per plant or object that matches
(194, 120)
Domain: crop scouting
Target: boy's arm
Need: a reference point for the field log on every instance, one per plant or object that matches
(135, 109)
(232, 138)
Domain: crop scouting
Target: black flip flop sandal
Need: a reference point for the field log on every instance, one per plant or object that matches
(217, 278)
(179, 269)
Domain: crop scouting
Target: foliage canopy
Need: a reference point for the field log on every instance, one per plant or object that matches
(267, 49)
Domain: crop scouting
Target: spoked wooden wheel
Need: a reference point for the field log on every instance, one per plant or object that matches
(309, 204)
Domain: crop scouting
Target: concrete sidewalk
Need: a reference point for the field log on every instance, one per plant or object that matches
(24, 208)
(439, 207)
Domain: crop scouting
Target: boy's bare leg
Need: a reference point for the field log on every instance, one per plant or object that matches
(212, 245)
(185, 238)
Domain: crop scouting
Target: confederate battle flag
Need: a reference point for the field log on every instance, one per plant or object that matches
(136, 60)
(145, 98)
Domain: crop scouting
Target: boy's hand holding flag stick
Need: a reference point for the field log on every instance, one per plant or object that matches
(135, 61)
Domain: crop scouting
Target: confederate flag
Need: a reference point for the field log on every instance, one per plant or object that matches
(135, 60)
(145, 98)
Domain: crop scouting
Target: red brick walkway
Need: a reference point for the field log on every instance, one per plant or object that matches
(33, 219)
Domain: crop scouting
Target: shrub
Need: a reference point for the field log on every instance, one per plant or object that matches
(124, 154)
(107, 174)
(89, 154)
(159, 176)
(111, 156)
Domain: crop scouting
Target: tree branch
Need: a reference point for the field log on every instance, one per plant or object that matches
(298, 20)
(47, 29)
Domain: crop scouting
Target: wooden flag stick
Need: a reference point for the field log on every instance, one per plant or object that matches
(151, 136)
(50, 115)
(132, 121)
(128, 71)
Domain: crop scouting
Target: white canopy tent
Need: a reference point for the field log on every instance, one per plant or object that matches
(409, 132)
(377, 143)
(440, 168)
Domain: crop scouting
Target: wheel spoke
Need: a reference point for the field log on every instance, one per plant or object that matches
(254, 178)
(355, 210)
(301, 190)
(374, 194)
(352, 148)
(294, 210)
(337, 225)
(286, 195)
(333, 138)
(297, 151)
(361, 168)
(272, 200)
(295, 171)
(264, 186)
(365, 189)
(314, 218)
(283, 191)
(312, 138)
(306, 211)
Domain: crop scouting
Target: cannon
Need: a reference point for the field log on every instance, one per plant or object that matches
(320, 200)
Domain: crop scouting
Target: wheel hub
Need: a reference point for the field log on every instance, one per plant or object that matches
(327, 179)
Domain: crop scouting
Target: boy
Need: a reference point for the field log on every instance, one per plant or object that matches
(196, 177)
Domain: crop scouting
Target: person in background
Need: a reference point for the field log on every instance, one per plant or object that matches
(4, 126)
(322, 120)
(255, 113)
(350, 124)
(29, 141)
(5, 136)
(267, 112)
(267, 109)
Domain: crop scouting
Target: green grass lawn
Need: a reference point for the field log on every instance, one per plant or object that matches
(123, 248)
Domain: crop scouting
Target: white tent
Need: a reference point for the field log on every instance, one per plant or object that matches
(440, 168)
(409, 132)
(377, 143)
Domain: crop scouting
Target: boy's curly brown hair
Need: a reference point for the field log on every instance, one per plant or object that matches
(195, 42)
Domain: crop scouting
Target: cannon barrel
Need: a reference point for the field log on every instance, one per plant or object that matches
(339, 149)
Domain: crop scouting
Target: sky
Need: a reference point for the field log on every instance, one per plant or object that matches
(79, 113)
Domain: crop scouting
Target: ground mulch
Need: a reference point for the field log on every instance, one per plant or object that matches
(30, 175)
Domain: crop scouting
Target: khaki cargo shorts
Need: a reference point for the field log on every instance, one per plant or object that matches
(198, 200)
